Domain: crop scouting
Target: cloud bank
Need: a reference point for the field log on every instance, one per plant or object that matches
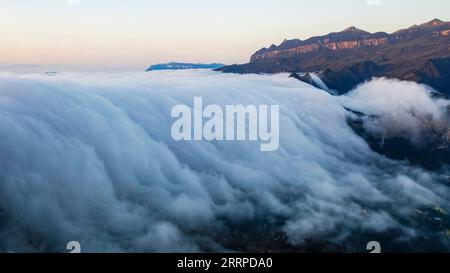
(90, 158)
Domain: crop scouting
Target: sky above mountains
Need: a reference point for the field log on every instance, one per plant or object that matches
(130, 35)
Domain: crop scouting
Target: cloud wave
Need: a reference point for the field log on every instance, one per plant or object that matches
(89, 157)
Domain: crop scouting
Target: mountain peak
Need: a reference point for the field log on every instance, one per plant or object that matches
(353, 29)
(435, 22)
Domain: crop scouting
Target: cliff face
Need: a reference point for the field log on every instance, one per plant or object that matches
(402, 54)
(353, 38)
(350, 38)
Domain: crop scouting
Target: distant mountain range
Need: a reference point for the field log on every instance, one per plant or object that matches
(344, 59)
(179, 66)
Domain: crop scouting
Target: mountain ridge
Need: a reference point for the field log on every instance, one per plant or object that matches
(181, 66)
(402, 54)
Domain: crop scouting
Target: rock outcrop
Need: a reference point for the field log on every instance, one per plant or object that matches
(306, 78)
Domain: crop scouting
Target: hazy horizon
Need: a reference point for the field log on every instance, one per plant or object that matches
(100, 35)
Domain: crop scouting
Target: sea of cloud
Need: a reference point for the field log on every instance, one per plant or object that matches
(89, 157)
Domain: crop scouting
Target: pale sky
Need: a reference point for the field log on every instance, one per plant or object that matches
(132, 34)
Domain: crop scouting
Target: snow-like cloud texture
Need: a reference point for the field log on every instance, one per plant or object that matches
(401, 108)
(90, 158)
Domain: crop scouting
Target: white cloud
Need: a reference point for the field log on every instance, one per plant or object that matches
(90, 158)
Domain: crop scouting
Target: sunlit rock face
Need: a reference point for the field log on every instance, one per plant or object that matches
(90, 157)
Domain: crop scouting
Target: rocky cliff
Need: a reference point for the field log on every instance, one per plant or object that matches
(420, 53)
